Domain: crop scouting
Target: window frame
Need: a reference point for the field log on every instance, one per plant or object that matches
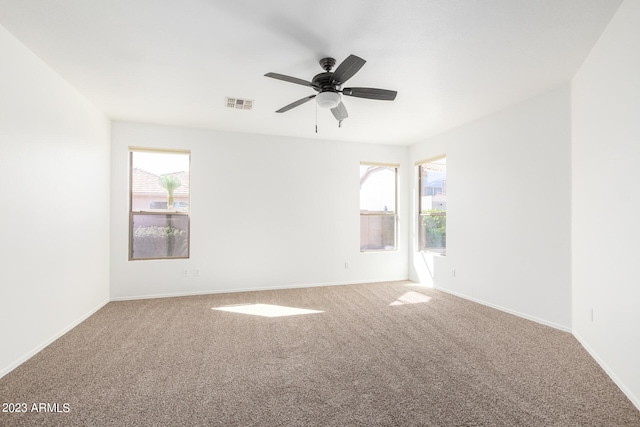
(154, 212)
(396, 168)
(420, 215)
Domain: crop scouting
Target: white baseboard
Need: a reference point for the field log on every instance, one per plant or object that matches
(621, 385)
(250, 289)
(57, 335)
(507, 310)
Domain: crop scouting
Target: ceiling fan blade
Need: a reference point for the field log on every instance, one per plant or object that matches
(289, 79)
(347, 69)
(295, 104)
(370, 93)
(340, 112)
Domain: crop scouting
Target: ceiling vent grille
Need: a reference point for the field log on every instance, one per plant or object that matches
(239, 104)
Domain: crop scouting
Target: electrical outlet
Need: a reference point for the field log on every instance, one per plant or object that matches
(185, 273)
(347, 264)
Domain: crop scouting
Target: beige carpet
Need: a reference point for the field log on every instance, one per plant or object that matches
(388, 354)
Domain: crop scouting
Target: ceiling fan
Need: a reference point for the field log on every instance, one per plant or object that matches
(329, 87)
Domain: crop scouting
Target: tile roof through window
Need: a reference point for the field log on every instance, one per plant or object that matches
(437, 167)
(147, 183)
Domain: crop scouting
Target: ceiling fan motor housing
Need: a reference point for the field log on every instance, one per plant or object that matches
(323, 82)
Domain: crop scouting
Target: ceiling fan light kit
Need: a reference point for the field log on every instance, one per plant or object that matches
(328, 99)
(329, 87)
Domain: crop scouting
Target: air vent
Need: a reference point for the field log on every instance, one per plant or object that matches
(239, 104)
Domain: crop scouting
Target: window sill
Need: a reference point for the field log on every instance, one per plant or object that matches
(434, 253)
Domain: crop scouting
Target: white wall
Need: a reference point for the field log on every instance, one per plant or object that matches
(606, 200)
(54, 220)
(266, 212)
(508, 210)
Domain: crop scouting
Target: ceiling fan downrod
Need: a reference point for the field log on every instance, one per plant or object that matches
(327, 64)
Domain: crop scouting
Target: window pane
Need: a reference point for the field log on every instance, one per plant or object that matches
(377, 232)
(433, 232)
(159, 211)
(433, 186)
(433, 206)
(159, 236)
(377, 188)
(378, 217)
(159, 182)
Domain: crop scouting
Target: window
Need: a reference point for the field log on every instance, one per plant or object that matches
(432, 206)
(159, 204)
(378, 213)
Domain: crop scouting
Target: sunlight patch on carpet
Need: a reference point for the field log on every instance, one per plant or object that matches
(266, 310)
(411, 297)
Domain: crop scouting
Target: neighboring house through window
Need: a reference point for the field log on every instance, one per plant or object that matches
(159, 203)
(432, 205)
(378, 207)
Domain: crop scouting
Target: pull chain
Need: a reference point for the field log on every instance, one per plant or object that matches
(316, 117)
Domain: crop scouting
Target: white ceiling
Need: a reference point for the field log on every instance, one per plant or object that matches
(174, 62)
